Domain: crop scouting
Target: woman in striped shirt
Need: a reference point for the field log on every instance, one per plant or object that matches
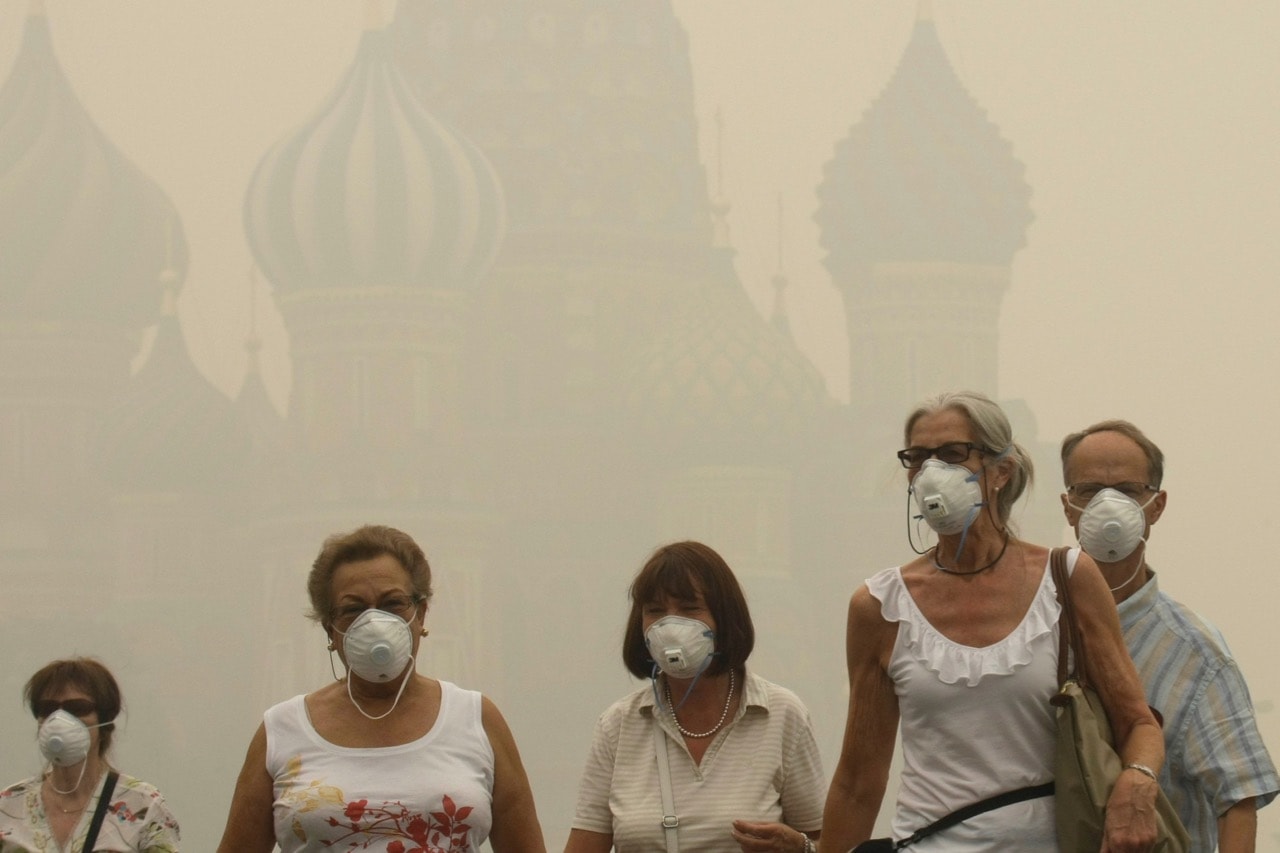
(744, 771)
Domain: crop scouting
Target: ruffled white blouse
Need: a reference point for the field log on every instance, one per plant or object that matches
(975, 721)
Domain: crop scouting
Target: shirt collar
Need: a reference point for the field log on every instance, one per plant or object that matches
(1140, 603)
(754, 695)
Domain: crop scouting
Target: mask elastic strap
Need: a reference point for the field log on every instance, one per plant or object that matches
(653, 682)
(403, 684)
(964, 531)
(706, 664)
(84, 763)
(911, 540)
(973, 512)
(1142, 543)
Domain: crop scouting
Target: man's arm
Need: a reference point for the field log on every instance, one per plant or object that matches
(1238, 827)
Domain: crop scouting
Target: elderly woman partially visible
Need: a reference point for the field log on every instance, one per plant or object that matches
(79, 795)
(384, 759)
(744, 772)
(960, 646)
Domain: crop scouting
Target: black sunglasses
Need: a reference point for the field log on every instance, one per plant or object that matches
(952, 453)
(74, 707)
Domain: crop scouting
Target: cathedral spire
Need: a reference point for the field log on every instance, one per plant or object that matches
(719, 205)
(779, 319)
(375, 15)
(168, 278)
(253, 341)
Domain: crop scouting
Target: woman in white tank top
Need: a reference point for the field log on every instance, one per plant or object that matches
(959, 648)
(385, 759)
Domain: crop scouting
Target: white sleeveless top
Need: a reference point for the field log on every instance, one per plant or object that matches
(976, 722)
(433, 793)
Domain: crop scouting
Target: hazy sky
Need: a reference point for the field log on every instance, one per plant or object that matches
(1151, 141)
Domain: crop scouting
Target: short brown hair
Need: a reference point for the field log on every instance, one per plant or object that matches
(85, 674)
(365, 543)
(1155, 456)
(682, 570)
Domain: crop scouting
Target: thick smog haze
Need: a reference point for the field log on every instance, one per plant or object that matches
(1146, 132)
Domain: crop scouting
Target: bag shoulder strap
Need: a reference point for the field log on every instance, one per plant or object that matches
(990, 803)
(670, 822)
(1069, 636)
(104, 800)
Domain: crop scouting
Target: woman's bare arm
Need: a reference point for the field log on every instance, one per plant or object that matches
(862, 773)
(515, 818)
(1130, 822)
(585, 841)
(250, 828)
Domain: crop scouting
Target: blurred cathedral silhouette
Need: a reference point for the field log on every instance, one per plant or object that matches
(516, 331)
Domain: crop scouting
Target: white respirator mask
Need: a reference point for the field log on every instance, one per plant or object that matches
(1111, 525)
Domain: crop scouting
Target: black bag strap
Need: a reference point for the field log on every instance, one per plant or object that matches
(1008, 798)
(104, 800)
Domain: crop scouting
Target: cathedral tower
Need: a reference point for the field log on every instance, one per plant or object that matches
(922, 209)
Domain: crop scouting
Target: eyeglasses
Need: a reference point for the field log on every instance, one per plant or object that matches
(399, 605)
(74, 707)
(1087, 491)
(952, 453)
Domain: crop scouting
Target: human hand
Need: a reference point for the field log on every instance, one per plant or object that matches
(767, 837)
(1130, 825)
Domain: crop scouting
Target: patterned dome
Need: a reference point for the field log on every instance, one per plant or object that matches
(721, 374)
(924, 176)
(84, 235)
(374, 191)
(585, 108)
(172, 430)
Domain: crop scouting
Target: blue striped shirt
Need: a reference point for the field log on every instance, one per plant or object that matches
(1214, 755)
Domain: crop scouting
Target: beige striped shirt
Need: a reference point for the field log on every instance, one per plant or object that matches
(764, 766)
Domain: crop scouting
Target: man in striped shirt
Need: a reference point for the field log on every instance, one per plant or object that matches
(1217, 771)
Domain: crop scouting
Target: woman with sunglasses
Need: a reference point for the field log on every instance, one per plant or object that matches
(959, 649)
(384, 758)
(80, 802)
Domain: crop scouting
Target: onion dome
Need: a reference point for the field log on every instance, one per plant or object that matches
(83, 233)
(374, 191)
(924, 175)
(723, 377)
(172, 431)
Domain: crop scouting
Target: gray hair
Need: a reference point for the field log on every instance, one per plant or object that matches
(992, 430)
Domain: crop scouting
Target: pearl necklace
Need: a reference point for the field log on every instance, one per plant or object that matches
(724, 715)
